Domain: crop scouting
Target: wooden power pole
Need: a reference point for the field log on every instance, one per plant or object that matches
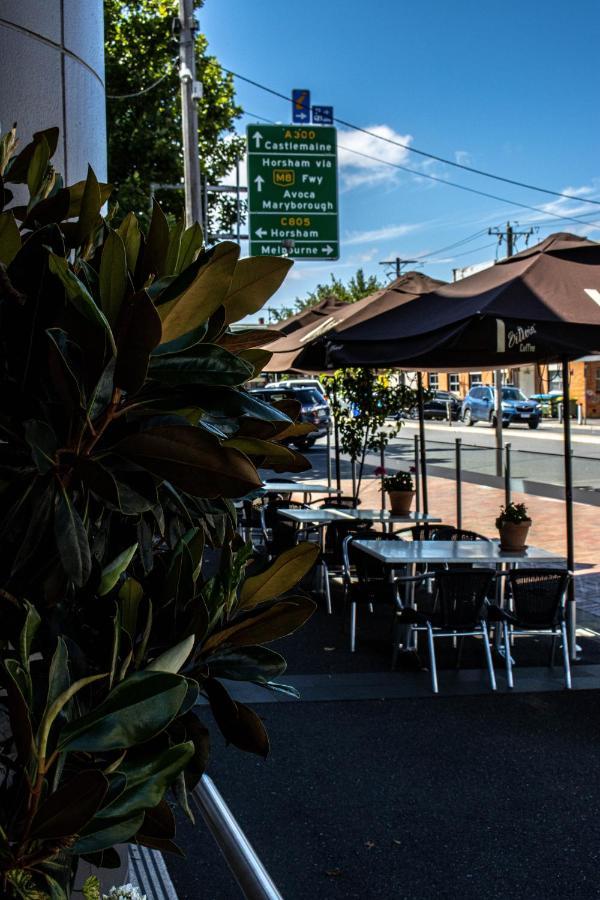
(191, 92)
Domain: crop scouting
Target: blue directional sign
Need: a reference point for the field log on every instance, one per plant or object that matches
(322, 115)
(300, 106)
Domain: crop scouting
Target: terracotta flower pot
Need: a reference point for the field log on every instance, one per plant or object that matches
(400, 502)
(514, 534)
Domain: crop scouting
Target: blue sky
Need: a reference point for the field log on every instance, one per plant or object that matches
(510, 88)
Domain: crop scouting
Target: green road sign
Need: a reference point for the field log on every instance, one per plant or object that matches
(292, 191)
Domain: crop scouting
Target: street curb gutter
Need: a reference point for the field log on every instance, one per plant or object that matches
(148, 872)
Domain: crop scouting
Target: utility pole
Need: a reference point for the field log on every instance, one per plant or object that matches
(510, 236)
(191, 92)
(398, 263)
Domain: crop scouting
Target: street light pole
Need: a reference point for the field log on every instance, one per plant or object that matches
(191, 91)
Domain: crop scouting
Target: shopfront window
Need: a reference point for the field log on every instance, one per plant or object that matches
(434, 381)
(454, 382)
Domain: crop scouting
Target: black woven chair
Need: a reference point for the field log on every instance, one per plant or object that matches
(366, 580)
(457, 608)
(537, 606)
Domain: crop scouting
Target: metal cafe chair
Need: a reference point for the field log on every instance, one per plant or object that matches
(366, 580)
(456, 608)
(537, 600)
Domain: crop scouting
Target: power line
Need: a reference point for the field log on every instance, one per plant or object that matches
(407, 147)
(143, 90)
(454, 184)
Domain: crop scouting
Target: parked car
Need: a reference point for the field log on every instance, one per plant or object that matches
(480, 403)
(314, 409)
(436, 407)
(299, 382)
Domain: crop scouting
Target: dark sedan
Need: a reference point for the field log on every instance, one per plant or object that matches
(436, 406)
(314, 410)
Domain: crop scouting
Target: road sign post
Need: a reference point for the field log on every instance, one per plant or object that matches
(292, 191)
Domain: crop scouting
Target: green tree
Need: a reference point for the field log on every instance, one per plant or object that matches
(144, 132)
(358, 286)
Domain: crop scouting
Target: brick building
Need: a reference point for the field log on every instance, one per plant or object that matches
(534, 379)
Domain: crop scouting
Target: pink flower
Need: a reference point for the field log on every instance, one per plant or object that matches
(380, 470)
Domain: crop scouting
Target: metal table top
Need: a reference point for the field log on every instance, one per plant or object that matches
(406, 552)
(384, 515)
(316, 516)
(296, 487)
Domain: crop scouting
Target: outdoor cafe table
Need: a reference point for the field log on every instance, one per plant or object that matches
(296, 487)
(395, 554)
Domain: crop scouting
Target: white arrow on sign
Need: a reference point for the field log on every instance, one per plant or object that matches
(327, 249)
(261, 232)
(259, 181)
(257, 138)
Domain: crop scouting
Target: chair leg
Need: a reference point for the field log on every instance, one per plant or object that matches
(396, 642)
(552, 649)
(459, 647)
(488, 655)
(566, 661)
(432, 662)
(327, 587)
(508, 658)
(352, 627)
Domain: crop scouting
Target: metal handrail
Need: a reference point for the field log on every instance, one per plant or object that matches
(249, 872)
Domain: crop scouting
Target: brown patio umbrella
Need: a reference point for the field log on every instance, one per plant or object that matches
(312, 314)
(304, 349)
(542, 304)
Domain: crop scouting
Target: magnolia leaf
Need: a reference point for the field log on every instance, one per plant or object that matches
(113, 571)
(257, 358)
(56, 707)
(277, 621)
(69, 809)
(257, 664)
(139, 333)
(58, 675)
(287, 570)
(172, 660)
(255, 279)
(130, 596)
(203, 296)
(157, 243)
(10, 238)
(71, 540)
(28, 632)
(192, 461)
(268, 453)
(78, 294)
(43, 443)
(136, 710)
(191, 243)
(38, 165)
(130, 234)
(89, 210)
(238, 724)
(172, 258)
(114, 833)
(248, 338)
(113, 276)
(205, 364)
(76, 194)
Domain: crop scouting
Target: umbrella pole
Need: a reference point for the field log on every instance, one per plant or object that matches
(336, 440)
(571, 607)
(422, 443)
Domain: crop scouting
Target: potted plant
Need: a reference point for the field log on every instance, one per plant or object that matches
(513, 523)
(401, 490)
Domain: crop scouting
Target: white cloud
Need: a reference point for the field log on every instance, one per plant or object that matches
(357, 169)
(379, 234)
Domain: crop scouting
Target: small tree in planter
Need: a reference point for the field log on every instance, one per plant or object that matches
(366, 406)
(125, 590)
(401, 490)
(513, 523)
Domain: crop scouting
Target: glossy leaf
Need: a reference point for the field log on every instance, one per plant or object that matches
(257, 358)
(10, 238)
(172, 660)
(78, 294)
(288, 569)
(134, 711)
(147, 780)
(77, 192)
(43, 442)
(203, 296)
(255, 280)
(113, 277)
(113, 834)
(54, 710)
(69, 809)
(192, 460)
(172, 258)
(244, 339)
(264, 453)
(72, 540)
(204, 364)
(38, 165)
(113, 571)
(157, 243)
(258, 664)
(130, 595)
(28, 633)
(238, 724)
(18, 167)
(130, 234)
(139, 333)
(192, 241)
(277, 621)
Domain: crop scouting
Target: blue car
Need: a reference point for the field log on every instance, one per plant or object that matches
(480, 404)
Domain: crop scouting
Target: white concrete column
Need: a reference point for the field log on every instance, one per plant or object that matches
(52, 73)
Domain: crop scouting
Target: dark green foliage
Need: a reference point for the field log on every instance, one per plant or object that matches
(358, 286)
(144, 132)
(121, 416)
